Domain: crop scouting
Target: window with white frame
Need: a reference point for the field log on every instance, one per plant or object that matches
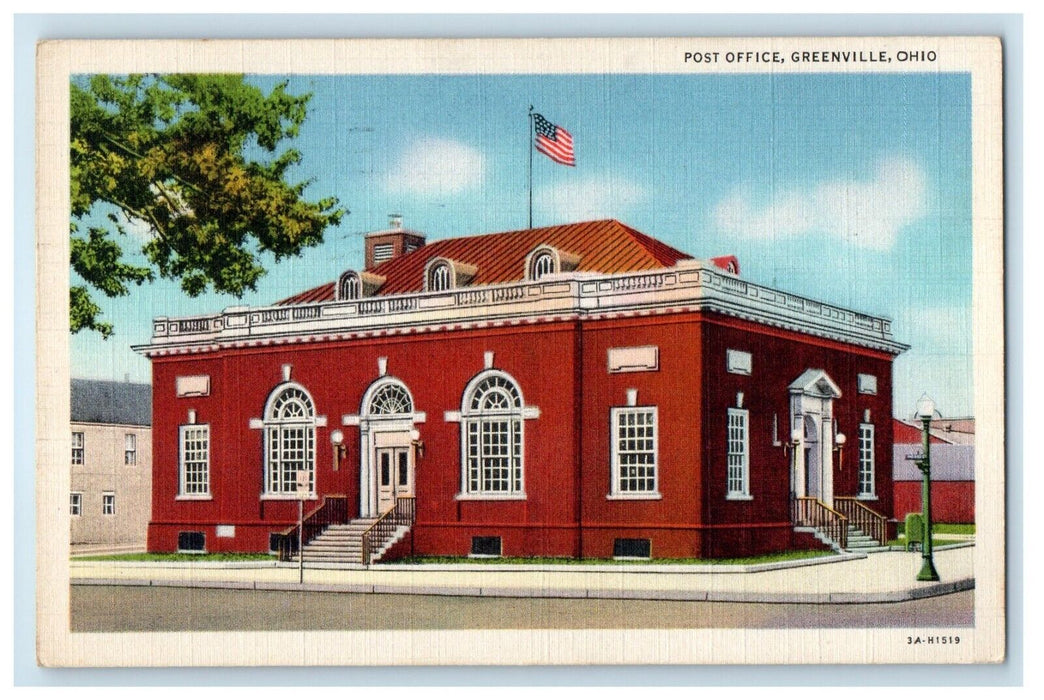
(77, 448)
(349, 286)
(130, 449)
(108, 504)
(75, 503)
(439, 278)
(289, 426)
(391, 399)
(543, 264)
(866, 460)
(194, 461)
(491, 422)
(738, 454)
(634, 451)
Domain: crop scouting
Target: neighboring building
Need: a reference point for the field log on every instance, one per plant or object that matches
(953, 469)
(111, 459)
(577, 390)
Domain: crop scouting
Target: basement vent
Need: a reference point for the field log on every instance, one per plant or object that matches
(485, 547)
(631, 549)
(382, 252)
(192, 542)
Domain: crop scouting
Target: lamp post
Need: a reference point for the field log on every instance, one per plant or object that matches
(925, 411)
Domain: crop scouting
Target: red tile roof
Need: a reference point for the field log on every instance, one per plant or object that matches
(606, 246)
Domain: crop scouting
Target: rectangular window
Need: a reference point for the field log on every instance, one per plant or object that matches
(866, 460)
(108, 504)
(77, 448)
(75, 503)
(738, 476)
(130, 449)
(195, 459)
(634, 451)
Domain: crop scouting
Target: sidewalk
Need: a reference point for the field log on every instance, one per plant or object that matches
(882, 577)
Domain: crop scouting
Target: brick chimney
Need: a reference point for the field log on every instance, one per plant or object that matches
(391, 242)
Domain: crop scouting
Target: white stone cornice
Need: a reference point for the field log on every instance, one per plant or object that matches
(685, 288)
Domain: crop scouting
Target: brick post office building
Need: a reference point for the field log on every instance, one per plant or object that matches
(582, 390)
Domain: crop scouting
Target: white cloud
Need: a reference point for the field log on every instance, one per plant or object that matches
(587, 198)
(436, 167)
(137, 228)
(864, 212)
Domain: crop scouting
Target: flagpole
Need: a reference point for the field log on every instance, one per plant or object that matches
(531, 136)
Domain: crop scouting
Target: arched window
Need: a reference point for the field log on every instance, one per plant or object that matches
(543, 264)
(349, 286)
(289, 426)
(390, 399)
(439, 278)
(491, 425)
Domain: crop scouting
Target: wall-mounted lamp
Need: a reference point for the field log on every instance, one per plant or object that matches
(796, 436)
(340, 450)
(418, 445)
(839, 448)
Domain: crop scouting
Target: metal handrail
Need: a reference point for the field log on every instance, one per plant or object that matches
(865, 518)
(808, 511)
(333, 510)
(402, 513)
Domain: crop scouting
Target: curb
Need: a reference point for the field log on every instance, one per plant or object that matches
(937, 589)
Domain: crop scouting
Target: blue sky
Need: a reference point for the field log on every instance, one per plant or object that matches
(851, 189)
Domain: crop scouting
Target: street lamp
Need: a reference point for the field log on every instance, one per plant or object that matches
(925, 411)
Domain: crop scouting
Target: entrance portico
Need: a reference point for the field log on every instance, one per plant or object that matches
(812, 397)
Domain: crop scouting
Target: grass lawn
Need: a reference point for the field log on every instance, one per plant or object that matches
(175, 556)
(566, 561)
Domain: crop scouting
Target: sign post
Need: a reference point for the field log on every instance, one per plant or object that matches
(302, 494)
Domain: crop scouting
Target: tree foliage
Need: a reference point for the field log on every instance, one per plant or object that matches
(171, 155)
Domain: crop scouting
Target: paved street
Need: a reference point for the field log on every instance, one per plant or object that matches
(139, 608)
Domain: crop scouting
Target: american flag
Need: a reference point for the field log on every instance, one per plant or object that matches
(553, 141)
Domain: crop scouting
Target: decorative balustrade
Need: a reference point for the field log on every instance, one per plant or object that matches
(811, 512)
(193, 325)
(690, 284)
(863, 517)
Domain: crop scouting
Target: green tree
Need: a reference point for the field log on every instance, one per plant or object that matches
(174, 154)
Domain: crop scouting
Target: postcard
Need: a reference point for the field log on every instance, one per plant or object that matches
(564, 351)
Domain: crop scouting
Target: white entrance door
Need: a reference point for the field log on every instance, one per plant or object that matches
(393, 456)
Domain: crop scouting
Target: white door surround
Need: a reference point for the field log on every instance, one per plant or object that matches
(386, 431)
(812, 397)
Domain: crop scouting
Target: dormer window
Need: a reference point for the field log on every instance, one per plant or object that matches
(543, 264)
(545, 260)
(439, 278)
(349, 286)
(442, 274)
(356, 285)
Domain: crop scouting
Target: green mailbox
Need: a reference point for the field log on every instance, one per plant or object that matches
(914, 530)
